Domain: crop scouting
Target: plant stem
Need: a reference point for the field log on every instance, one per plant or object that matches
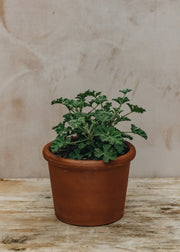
(121, 103)
(117, 112)
(127, 114)
(93, 108)
(80, 141)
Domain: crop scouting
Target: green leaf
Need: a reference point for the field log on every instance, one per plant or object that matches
(107, 106)
(125, 135)
(75, 154)
(103, 116)
(138, 131)
(77, 104)
(82, 96)
(124, 118)
(81, 120)
(135, 108)
(69, 103)
(120, 119)
(98, 100)
(119, 147)
(98, 153)
(57, 144)
(59, 100)
(125, 91)
(106, 147)
(81, 145)
(109, 153)
(121, 100)
(97, 93)
(74, 123)
(67, 117)
(90, 153)
(59, 128)
(109, 134)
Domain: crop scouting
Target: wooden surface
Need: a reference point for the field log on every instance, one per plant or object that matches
(151, 221)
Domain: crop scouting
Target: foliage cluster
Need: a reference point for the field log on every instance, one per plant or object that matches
(89, 129)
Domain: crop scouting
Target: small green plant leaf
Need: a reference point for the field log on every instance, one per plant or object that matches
(98, 153)
(109, 134)
(107, 106)
(81, 120)
(59, 100)
(59, 128)
(121, 100)
(138, 131)
(106, 147)
(102, 115)
(125, 135)
(81, 145)
(109, 153)
(124, 118)
(125, 91)
(74, 123)
(75, 154)
(82, 96)
(67, 117)
(100, 99)
(57, 144)
(119, 147)
(121, 119)
(135, 108)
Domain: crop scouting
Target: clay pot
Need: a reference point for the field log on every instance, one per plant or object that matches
(87, 192)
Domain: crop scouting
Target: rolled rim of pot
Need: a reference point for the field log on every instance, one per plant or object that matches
(72, 164)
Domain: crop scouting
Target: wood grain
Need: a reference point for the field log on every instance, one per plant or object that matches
(151, 221)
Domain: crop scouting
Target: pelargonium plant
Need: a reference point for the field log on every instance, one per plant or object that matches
(89, 129)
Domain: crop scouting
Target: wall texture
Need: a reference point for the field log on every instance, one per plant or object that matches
(57, 48)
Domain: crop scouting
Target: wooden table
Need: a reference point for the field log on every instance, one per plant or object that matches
(151, 221)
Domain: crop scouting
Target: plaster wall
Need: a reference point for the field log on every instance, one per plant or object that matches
(57, 48)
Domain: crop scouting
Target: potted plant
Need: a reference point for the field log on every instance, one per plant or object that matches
(89, 159)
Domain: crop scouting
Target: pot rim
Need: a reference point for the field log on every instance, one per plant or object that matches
(72, 164)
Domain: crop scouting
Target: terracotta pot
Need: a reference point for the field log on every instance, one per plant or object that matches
(87, 192)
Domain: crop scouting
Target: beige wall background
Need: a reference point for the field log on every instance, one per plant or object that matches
(57, 48)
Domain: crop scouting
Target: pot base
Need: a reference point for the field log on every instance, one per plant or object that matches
(89, 224)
